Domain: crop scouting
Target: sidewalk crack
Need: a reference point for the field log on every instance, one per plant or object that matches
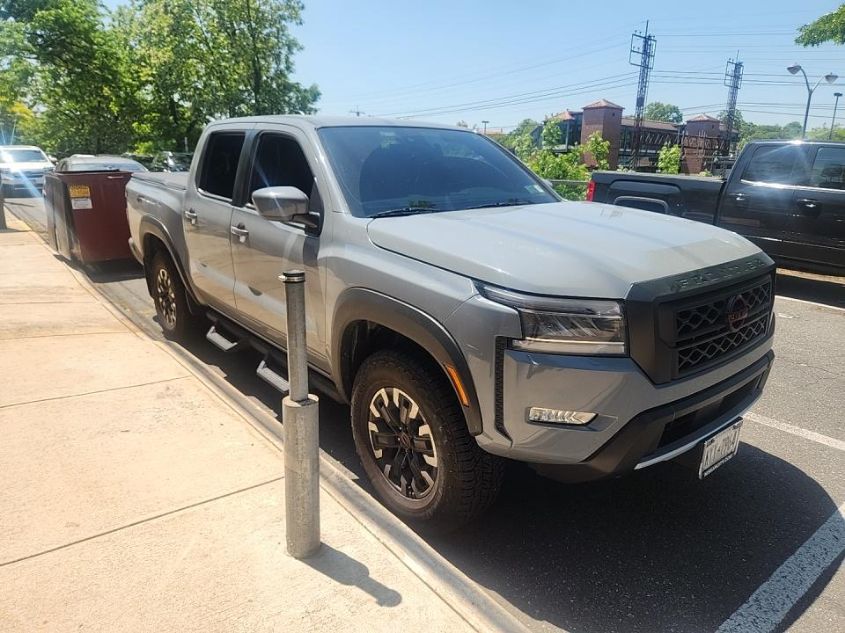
(142, 521)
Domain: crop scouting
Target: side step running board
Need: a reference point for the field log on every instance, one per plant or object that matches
(221, 341)
(267, 374)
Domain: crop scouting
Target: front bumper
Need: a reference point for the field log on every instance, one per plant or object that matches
(671, 430)
(638, 423)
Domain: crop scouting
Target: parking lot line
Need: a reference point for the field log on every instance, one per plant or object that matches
(812, 303)
(796, 430)
(768, 606)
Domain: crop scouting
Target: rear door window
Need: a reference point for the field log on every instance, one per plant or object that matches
(774, 164)
(828, 171)
(220, 166)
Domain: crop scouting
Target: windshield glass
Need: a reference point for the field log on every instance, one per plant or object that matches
(23, 156)
(383, 169)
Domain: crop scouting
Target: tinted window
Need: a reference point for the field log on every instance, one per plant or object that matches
(773, 164)
(828, 169)
(280, 162)
(386, 168)
(220, 166)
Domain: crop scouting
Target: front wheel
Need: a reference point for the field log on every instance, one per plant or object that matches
(413, 442)
(170, 297)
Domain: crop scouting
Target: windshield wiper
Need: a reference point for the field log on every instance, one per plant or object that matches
(505, 203)
(410, 210)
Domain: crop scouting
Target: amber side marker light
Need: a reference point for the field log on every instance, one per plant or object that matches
(457, 384)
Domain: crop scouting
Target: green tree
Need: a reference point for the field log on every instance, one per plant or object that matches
(205, 59)
(597, 149)
(82, 81)
(551, 134)
(669, 159)
(521, 139)
(656, 111)
(561, 166)
(828, 28)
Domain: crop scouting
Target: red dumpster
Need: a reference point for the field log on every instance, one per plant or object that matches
(86, 215)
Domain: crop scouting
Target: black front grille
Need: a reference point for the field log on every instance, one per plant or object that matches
(713, 327)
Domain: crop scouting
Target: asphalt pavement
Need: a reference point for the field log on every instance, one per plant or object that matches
(757, 546)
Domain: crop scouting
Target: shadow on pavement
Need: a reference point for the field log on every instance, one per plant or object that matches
(655, 551)
(658, 550)
(348, 571)
(808, 287)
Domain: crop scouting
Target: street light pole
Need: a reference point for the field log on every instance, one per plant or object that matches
(829, 78)
(833, 120)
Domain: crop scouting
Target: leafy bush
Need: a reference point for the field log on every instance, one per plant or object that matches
(669, 159)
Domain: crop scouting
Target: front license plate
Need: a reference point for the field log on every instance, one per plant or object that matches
(719, 449)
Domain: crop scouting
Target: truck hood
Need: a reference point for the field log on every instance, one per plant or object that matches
(566, 248)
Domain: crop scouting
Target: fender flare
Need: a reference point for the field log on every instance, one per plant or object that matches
(361, 304)
(154, 227)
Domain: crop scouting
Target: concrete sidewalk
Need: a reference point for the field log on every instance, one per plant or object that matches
(136, 497)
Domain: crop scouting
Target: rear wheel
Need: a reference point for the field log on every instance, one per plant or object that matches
(170, 297)
(412, 438)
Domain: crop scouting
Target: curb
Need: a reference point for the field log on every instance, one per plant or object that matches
(481, 611)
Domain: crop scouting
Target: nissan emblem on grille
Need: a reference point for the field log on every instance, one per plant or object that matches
(736, 312)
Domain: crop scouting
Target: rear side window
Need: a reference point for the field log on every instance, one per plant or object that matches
(773, 164)
(828, 170)
(220, 166)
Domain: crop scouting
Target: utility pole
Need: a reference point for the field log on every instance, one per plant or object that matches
(357, 111)
(485, 126)
(733, 80)
(641, 55)
(833, 120)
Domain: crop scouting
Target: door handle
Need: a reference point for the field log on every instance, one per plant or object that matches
(240, 232)
(740, 198)
(191, 215)
(810, 205)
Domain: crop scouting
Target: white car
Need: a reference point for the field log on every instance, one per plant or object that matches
(22, 169)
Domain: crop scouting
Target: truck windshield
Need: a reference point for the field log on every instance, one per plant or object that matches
(398, 169)
(23, 156)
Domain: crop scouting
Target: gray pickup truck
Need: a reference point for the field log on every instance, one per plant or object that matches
(464, 311)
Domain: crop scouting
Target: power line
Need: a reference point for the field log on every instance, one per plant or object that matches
(523, 97)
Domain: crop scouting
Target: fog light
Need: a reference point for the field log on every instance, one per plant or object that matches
(558, 416)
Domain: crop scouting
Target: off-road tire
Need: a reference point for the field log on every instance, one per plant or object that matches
(174, 314)
(467, 478)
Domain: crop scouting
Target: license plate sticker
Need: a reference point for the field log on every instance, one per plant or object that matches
(719, 449)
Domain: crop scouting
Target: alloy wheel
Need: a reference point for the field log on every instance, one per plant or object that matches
(402, 444)
(166, 297)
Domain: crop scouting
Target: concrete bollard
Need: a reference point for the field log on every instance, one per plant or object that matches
(300, 416)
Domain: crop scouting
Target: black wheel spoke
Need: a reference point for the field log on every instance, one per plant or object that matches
(384, 440)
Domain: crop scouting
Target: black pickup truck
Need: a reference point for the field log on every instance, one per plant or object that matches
(788, 197)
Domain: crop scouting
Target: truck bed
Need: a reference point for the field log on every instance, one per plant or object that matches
(157, 197)
(169, 180)
(691, 197)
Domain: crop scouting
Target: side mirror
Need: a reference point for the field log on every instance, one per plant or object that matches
(285, 204)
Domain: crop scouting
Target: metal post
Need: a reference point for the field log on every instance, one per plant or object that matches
(300, 415)
(833, 120)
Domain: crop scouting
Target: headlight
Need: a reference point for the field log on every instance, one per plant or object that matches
(564, 326)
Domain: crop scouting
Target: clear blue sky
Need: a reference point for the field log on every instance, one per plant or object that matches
(461, 59)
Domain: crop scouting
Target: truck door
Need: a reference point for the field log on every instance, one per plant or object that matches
(758, 204)
(820, 209)
(207, 216)
(263, 249)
